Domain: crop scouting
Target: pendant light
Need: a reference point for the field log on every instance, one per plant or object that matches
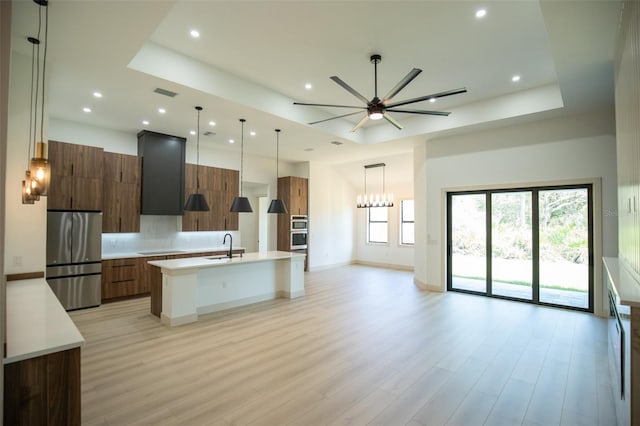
(40, 172)
(375, 200)
(196, 202)
(241, 204)
(28, 195)
(277, 205)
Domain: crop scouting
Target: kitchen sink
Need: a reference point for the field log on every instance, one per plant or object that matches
(151, 253)
(219, 259)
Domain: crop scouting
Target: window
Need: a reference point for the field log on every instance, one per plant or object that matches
(377, 224)
(406, 223)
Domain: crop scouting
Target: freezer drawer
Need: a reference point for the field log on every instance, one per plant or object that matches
(81, 291)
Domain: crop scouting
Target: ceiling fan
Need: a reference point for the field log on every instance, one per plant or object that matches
(377, 108)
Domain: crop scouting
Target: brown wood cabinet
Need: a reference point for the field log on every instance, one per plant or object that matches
(44, 390)
(293, 191)
(220, 187)
(121, 278)
(121, 193)
(76, 177)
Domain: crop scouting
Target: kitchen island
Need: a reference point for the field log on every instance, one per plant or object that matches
(200, 285)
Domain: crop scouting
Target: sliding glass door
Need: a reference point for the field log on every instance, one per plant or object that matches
(529, 244)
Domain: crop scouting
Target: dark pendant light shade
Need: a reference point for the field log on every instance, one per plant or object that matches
(196, 202)
(277, 206)
(241, 204)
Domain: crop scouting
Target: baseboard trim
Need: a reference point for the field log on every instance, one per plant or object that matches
(427, 287)
(385, 265)
(181, 320)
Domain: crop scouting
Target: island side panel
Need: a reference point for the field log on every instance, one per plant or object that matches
(291, 277)
(228, 286)
(179, 290)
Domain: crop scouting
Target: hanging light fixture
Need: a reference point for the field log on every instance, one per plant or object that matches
(241, 204)
(375, 200)
(277, 205)
(40, 172)
(196, 202)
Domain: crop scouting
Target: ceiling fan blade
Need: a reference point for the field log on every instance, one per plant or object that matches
(361, 123)
(337, 116)
(350, 89)
(425, 98)
(392, 121)
(402, 84)
(419, 111)
(330, 105)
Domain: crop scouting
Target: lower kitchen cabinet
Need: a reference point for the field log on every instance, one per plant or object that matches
(120, 278)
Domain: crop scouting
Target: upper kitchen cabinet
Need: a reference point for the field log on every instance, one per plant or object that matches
(121, 193)
(76, 177)
(163, 158)
(220, 187)
(294, 192)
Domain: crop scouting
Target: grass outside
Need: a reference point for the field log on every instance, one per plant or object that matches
(553, 275)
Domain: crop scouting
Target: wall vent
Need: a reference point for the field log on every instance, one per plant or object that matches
(336, 143)
(208, 133)
(164, 92)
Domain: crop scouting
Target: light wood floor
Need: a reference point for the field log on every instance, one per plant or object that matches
(364, 346)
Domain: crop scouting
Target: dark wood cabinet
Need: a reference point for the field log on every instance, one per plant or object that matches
(121, 193)
(76, 177)
(220, 187)
(293, 191)
(121, 278)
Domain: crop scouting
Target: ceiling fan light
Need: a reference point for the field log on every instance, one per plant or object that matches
(377, 115)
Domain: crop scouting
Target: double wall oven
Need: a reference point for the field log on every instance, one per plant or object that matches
(299, 228)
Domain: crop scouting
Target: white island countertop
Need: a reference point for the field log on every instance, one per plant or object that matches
(209, 262)
(626, 285)
(163, 252)
(37, 324)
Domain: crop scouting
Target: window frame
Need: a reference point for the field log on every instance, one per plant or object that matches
(369, 222)
(401, 222)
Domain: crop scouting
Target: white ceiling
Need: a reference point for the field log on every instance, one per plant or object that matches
(254, 57)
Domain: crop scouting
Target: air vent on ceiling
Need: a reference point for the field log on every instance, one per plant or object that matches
(208, 133)
(165, 92)
(336, 143)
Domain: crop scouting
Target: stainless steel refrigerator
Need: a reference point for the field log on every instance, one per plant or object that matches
(74, 257)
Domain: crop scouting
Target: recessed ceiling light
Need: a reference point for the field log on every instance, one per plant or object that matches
(232, 141)
(145, 122)
(86, 109)
(432, 100)
(194, 33)
(212, 123)
(162, 110)
(252, 133)
(97, 94)
(192, 132)
(308, 86)
(515, 78)
(481, 13)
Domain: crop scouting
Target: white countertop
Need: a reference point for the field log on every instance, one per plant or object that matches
(37, 324)
(205, 262)
(164, 252)
(626, 284)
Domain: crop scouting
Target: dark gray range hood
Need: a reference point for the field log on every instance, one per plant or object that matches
(163, 158)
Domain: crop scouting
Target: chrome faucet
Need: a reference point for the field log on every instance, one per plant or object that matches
(224, 241)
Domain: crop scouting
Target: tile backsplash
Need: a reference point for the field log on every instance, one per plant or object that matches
(163, 233)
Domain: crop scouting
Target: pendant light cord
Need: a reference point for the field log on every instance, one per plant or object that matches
(277, 155)
(31, 124)
(44, 67)
(242, 120)
(198, 108)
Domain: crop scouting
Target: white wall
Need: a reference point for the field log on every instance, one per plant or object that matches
(391, 254)
(552, 161)
(25, 224)
(332, 221)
